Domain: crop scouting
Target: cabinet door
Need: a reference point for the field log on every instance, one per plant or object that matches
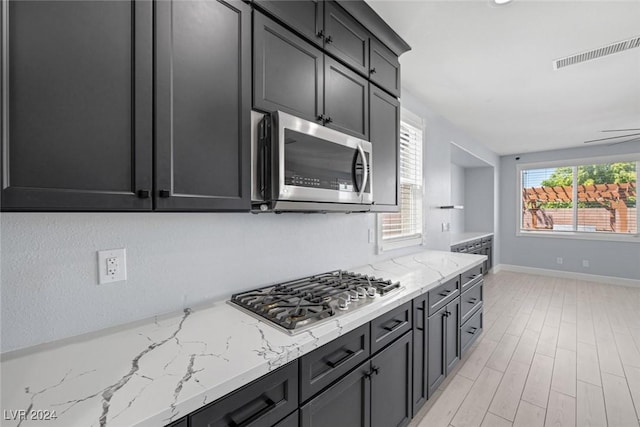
(345, 38)
(420, 349)
(436, 370)
(346, 99)
(304, 16)
(384, 133)
(77, 88)
(345, 404)
(391, 384)
(452, 338)
(262, 403)
(385, 67)
(291, 421)
(287, 71)
(203, 105)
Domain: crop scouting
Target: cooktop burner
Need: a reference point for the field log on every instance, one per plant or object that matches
(297, 304)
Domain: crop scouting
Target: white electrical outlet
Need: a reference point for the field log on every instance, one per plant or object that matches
(112, 266)
(559, 260)
(446, 226)
(585, 263)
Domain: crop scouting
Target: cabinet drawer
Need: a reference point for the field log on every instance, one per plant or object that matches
(386, 328)
(470, 331)
(470, 301)
(262, 403)
(323, 366)
(384, 68)
(440, 296)
(471, 277)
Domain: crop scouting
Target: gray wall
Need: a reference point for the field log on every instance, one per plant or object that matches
(479, 199)
(439, 133)
(606, 258)
(457, 197)
(48, 263)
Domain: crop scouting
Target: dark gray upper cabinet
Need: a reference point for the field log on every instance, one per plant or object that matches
(304, 16)
(391, 384)
(384, 119)
(203, 103)
(77, 88)
(288, 72)
(385, 67)
(346, 38)
(346, 99)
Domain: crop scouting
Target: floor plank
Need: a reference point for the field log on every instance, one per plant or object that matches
(491, 420)
(505, 402)
(564, 372)
(561, 411)
(529, 415)
(590, 406)
(477, 401)
(617, 400)
(536, 389)
(448, 403)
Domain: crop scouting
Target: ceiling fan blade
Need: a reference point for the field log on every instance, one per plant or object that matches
(619, 130)
(612, 137)
(628, 140)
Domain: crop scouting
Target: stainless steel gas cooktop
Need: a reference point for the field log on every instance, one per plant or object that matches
(299, 304)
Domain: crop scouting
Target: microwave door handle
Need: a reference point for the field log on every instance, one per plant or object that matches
(365, 171)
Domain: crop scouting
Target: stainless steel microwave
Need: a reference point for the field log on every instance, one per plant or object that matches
(298, 165)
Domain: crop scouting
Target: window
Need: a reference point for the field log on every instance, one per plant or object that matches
(585, 199)
(404, 228)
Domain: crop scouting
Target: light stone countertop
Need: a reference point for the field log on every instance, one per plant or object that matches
(457, 238)
(151, 373)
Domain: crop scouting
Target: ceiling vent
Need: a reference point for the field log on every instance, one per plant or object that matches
(597, 53)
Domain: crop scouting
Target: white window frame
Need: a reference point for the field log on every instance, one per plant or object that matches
(581, 235)
(414, 120)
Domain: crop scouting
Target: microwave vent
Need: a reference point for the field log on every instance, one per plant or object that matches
(597, 53)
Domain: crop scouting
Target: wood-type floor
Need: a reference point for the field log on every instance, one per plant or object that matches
(554, 352)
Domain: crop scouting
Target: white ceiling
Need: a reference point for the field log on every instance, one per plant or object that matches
(488, 69)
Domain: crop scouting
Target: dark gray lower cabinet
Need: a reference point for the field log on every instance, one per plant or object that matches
(292, 420)
(444, 344)
(384, 119)
(347, 403)
(391, 384)
(203, 105)
(77, 130)
(420, 353)
(262, 403)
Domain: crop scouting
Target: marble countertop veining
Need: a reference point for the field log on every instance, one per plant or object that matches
(155, 372)
(457, 238)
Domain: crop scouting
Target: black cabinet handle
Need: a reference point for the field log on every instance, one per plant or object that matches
(164, 193)
(249, 419)
(143, 194)
(375, 369)
(472, 331)
(473, 300)
(322, 118)
(350, 354)
(372, 71)
(328, 120)
(320, 34)
(329, 40)
(445, 293)
(398, 324)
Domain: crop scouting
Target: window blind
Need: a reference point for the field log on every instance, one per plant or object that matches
(407, 224)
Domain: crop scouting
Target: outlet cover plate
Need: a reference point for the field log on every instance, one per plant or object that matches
(112, 266)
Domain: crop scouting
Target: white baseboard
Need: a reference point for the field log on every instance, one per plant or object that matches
(611, 280)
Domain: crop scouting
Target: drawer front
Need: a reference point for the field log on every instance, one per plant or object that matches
(471, 300)
(386, 328)
(471, 277)
(323, 366)
(470, 331)
(440, 296)
(262, 403)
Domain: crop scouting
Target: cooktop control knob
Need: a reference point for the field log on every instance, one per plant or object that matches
(343, 303)
(371, 292)
(361, 292)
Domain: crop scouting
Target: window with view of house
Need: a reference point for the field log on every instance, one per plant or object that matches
(404, 228)
(596, 198)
